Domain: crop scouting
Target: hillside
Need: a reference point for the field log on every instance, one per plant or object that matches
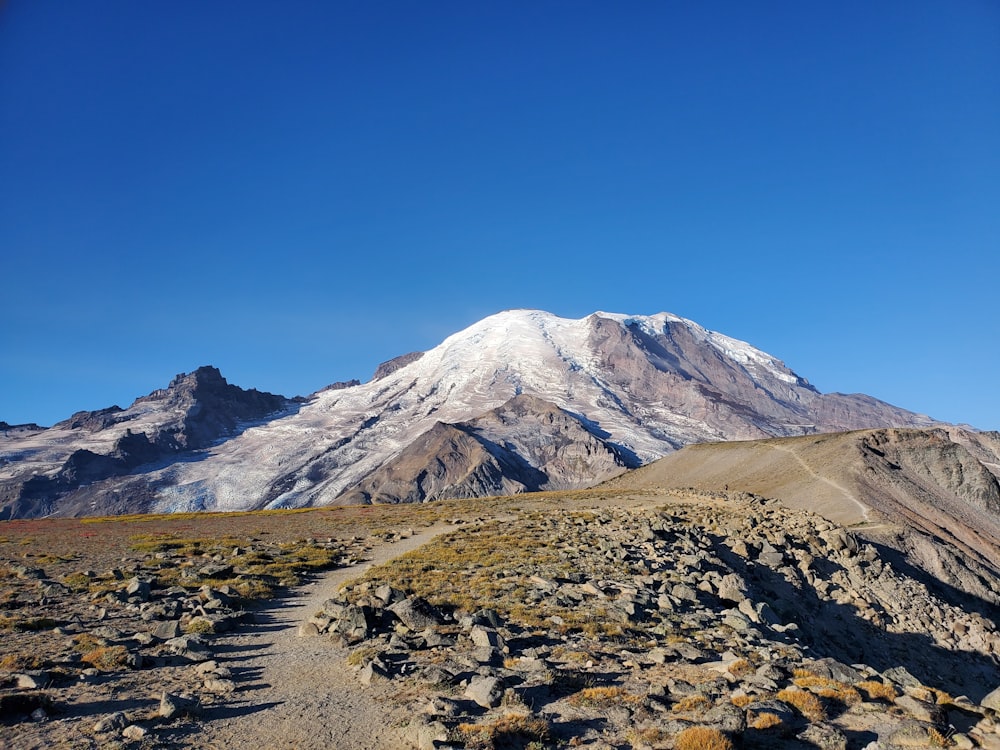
(932, 495)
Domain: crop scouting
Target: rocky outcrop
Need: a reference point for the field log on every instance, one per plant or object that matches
(388, 368)
(79, 464)
(526, 445)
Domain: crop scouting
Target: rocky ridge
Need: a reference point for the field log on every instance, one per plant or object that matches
(98, 462)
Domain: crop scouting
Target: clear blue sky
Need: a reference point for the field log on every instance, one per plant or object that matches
(294, 192)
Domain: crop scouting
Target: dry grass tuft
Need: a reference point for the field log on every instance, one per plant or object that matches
(598, 696)
(107, 658)
(692, 703)
(804, 702)
(702, 738)
(20, 662)
(936, 739)
(877, 690)
(740, 668)
(765, 720)
(513, 730)
(830, 689)
(646, 736)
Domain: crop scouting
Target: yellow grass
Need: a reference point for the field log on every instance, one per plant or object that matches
(804, 702)
(702, 738)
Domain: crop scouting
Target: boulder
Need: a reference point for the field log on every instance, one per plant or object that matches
(824, 736)
(992, 700)
(110, 723)
(134, 732)
(167, 630)
(485, 691)
(416, 613)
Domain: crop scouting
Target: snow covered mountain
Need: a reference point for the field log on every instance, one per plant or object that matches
(522, 400)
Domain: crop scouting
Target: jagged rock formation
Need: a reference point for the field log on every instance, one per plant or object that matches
(67, 467)
(524, 400)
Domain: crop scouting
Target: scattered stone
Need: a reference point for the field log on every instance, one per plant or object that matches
(32, 680)
(172, 705)
(416, 613)
(219, 685)
(111, 723)
(823, 736)
(425, 735)
(992, 700)
(485, 691)
(373, 670)
(167, 630)
(134, 732)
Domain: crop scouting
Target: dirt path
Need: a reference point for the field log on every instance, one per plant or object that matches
(297, 692)
(826, 480)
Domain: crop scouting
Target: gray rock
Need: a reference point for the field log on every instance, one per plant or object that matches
(485, 691)
(436, 640)
(216, 570)
(31, 680)
(901, 677)
(219, 685)
(167, 630)
(134, 732)
(486, 638)
(308, 629)
(389, 595)
(436, 675)
(139, 588)
(334, 607)
(416, 613)
(355, 622)
(190, 647)
(919, 709)
(425, 735)
(684, 592)
(111, 723)
(773, 560)
(727, 718)
(992, 700)
(823, 736)
(836, 670)
(373, 670)
(173, 705)
(908, 734)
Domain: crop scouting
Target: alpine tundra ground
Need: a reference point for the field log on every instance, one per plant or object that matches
(602, 618)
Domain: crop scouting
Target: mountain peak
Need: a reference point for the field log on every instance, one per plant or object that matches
(608, 390)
